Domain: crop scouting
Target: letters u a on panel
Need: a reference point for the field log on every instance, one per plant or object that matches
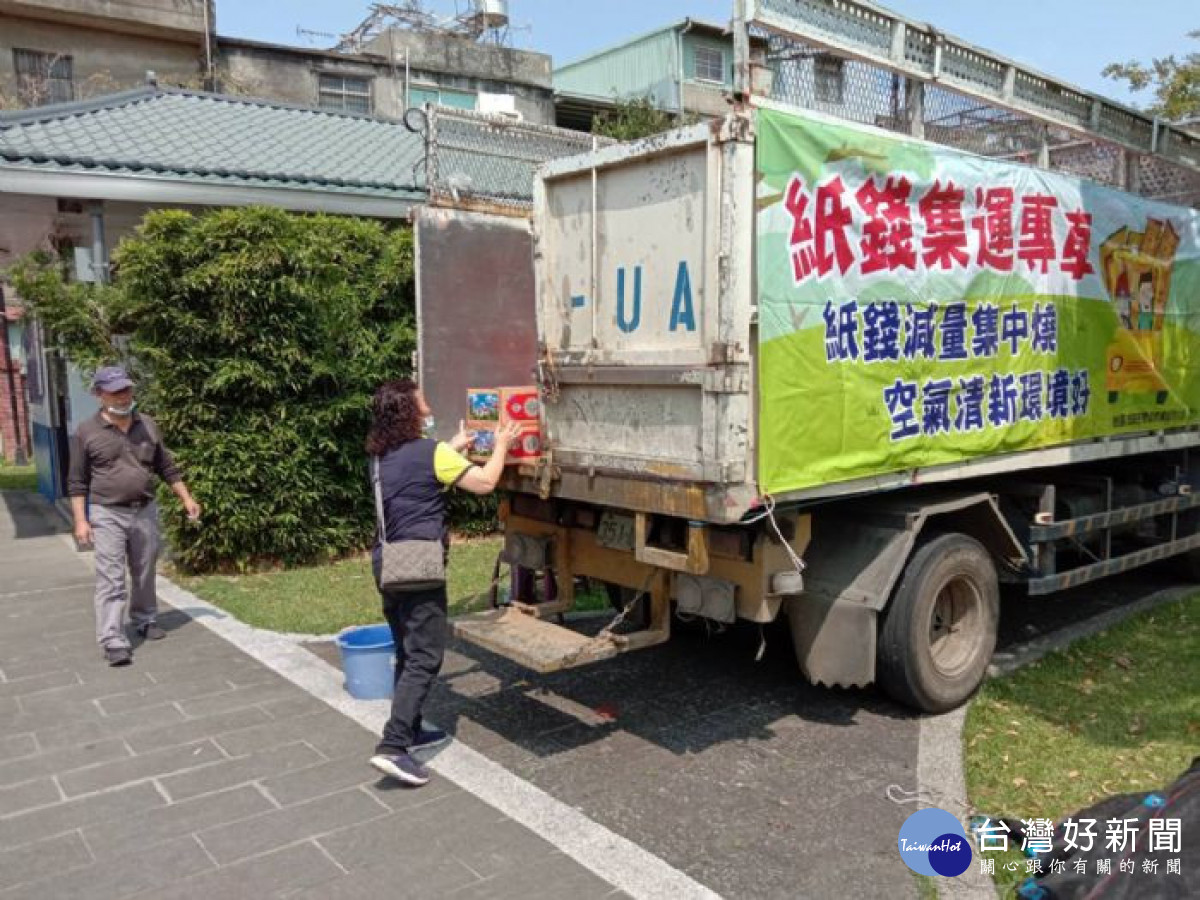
(632, 284)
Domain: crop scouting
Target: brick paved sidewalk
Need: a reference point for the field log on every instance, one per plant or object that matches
(199, 772)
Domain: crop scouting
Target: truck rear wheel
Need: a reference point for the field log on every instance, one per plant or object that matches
(940, 628)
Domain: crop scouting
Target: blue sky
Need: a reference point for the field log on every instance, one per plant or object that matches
(1071, 39)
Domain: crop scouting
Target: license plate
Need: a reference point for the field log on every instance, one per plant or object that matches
(615, 531)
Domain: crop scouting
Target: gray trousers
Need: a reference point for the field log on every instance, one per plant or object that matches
(118, 536)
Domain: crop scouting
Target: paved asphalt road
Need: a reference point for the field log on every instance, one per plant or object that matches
(737, 772)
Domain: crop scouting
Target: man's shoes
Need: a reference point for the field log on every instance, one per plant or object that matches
(151, 632)
(402, 767)
(428, 738)
(118, 656)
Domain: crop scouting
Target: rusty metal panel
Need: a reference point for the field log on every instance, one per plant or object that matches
(475, 307)
(531, 642)
(627, 251)
(566, 267)
(651, 291)
(645, 322)
(648, 423)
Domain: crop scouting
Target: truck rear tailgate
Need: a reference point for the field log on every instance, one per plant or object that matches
(644, 319)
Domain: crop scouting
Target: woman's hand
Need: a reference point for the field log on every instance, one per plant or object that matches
(507, 434)
(483, 479)
(463, 439)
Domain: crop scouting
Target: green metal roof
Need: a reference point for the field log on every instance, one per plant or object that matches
(710, 28)
(649, 65)
(210, 139)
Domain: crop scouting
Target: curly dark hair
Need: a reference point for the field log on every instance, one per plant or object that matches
(396, 418)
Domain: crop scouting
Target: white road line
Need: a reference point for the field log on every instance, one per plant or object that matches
(617, 860)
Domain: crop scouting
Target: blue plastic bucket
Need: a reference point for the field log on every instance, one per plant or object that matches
(368, 661)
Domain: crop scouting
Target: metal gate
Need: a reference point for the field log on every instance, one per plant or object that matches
(475, 306)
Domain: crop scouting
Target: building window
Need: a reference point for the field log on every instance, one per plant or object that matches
(710, 64)
(16, 343)
(439, 96)
(43, 77)
(342, 94)
(829, 78)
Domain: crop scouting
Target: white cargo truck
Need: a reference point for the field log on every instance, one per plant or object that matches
(797, 367)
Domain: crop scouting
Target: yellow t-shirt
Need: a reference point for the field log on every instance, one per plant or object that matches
(448, 464)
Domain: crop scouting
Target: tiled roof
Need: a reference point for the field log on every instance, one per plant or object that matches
(209, 138)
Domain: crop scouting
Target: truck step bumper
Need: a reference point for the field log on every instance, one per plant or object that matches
(540, 645)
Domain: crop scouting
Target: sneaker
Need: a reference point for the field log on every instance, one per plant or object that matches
(429, 737)
(151, 632)
(118, 656)
(402, 767)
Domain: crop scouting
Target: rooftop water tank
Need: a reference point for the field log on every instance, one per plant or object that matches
(491, 13)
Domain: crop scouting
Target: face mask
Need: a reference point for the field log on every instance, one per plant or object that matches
(122, 411)
(428, 424)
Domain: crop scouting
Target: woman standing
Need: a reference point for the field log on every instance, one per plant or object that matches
(415, 473)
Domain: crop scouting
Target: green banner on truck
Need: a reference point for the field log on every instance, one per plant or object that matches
(919, 306)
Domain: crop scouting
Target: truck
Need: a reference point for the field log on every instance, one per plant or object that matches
(803, 369)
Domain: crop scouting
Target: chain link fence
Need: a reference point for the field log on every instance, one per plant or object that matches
(489, 161)
(809, 76)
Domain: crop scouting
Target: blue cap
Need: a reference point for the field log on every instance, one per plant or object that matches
(111, 379)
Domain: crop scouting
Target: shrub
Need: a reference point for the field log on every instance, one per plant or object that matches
(263, 335)
(82, 317)
(472, 514)
(636, 118)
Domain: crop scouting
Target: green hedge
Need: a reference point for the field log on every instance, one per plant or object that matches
(260, 336)
(266, 334)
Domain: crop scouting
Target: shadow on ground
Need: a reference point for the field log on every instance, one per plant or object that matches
(736, 771)
(730, 769)
(27, 512)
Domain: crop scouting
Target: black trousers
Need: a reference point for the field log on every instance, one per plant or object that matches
(418, 623)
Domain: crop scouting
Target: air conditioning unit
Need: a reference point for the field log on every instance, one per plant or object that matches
(500, 105)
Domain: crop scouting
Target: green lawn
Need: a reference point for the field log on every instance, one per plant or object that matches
(17, 478)
(326, 599)
(1113, 714)
(927, 887)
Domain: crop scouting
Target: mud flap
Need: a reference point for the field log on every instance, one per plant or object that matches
(834, 640)
(854, 562)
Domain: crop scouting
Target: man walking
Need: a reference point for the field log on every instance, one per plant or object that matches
(114, 457)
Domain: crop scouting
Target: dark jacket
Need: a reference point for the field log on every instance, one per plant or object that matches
(113, 467)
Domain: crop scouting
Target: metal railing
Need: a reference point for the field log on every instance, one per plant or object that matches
(488, 162)
(857, 61)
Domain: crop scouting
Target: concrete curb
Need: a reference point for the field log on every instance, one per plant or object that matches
(942, 783)
(1038, 647)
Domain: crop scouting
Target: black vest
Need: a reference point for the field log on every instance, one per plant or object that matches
(414, 501)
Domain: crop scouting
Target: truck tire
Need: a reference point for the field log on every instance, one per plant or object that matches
(939, 631)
